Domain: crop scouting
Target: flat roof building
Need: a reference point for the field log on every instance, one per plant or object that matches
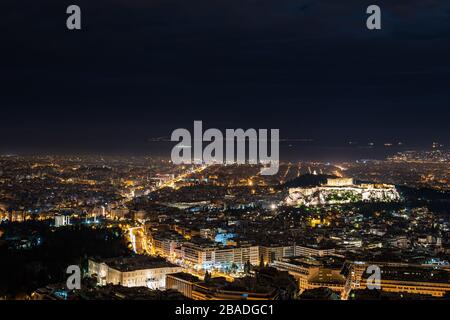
(136, 271)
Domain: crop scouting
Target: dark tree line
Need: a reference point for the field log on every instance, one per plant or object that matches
(23, 271)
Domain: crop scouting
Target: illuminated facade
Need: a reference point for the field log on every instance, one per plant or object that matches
(182, 282)
(413, 280)
(339, 191)
(340, 182)
(61, 221)
(312, 274)
(138, 271)
(207, 257)
(208, 291)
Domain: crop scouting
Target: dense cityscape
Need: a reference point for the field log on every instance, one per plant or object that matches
(144, 228)
(264, 159)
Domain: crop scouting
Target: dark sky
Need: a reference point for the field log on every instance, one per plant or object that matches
(142, 68)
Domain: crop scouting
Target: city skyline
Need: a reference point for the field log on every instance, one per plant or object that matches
(145, 228)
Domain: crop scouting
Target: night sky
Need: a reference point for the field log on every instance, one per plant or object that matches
(141, 68)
